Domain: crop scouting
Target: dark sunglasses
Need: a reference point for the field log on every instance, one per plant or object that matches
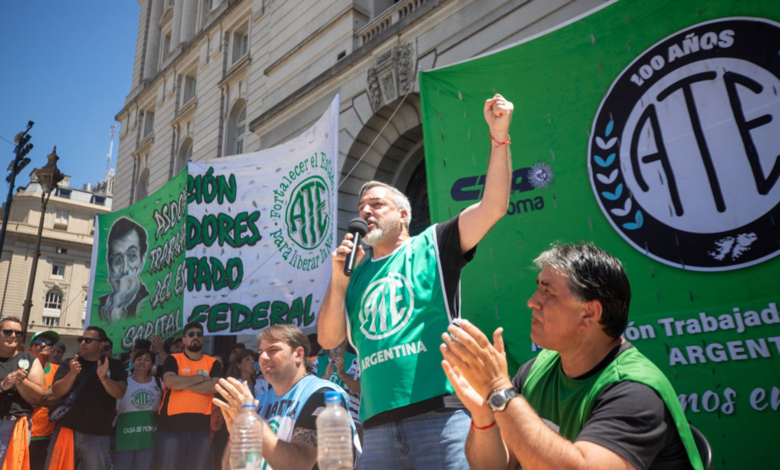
(81, 339)
(12, 332)
(39, 342)
(192, 334)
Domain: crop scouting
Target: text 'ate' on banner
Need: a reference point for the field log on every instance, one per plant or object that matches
(260, 231)
(650, 129)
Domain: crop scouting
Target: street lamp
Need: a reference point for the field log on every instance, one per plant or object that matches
(48, 177)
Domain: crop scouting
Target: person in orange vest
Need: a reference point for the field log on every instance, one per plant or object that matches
(183, 426)
(41, 344)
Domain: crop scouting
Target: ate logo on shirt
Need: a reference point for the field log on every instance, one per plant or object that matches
(142, 398)
(386, 306)
(274, 425)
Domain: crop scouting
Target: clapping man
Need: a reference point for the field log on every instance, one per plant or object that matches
(97, 381)
(614, 409)
(21, 385)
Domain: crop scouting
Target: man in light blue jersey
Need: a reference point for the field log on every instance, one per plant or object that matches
(290, 409)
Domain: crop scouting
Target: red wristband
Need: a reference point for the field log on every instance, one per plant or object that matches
(499, 143)
(482, 429)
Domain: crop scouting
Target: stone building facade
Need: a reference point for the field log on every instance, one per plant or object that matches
(220, 77)
(62, 278)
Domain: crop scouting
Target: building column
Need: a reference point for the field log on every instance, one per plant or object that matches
(153, 40)
(188, 20)
(178, 10)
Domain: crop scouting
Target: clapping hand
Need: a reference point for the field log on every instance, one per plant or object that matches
(338, 363)
(75, 366)
(14, 378)
(234, 393)
(157, 344)
(329, 370)
(102, 370)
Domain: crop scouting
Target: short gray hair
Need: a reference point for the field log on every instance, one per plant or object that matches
(399, 199)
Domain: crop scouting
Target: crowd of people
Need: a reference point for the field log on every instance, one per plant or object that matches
(425, 389)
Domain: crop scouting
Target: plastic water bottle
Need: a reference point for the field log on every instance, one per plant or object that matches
(246, 449)
(334, 435)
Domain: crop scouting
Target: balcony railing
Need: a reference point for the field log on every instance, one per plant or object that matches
(388, 18)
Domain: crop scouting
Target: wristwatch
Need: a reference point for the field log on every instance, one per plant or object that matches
(498, 399)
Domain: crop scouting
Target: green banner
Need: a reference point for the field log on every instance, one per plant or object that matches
(649, 128)
(139, 274)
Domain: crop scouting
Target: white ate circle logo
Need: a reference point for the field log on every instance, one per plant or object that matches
(386, 306)
(684, 154)
(696, 209)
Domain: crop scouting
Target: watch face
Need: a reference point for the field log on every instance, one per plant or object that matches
(497, 400)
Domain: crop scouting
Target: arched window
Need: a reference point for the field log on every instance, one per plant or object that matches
(185, 155)
(240, 131)
(142, 189)
(52, 308)
(236, 132)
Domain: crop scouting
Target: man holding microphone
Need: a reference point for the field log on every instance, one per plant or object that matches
(397, 305)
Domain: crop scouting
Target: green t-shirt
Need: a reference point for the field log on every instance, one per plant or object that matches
(569, 402)
(396, 312)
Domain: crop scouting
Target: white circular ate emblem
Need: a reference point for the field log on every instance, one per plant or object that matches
(386, 306)
(684, 155)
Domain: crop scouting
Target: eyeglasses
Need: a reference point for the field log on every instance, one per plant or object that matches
(192, 334)
(45, 341)
(12, 332)
(82, 339)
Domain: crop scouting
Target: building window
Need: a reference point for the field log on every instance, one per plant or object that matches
(58, 270)
(165, 49)
(236, 131)
(207, 4)
(188, 86)
(61, 250)
(142, 190)
(61, 219)
(63, 193)
(240, 132)
(185, 155)
(52, 308)
(148, 123)
(240, 43)
(99, 200)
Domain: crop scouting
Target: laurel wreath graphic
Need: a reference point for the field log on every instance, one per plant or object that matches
(617, 192)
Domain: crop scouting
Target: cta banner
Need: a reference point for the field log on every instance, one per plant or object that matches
(649, 128)
(138, 270)
(260, 231)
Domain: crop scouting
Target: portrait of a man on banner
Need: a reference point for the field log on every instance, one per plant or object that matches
(126, 254)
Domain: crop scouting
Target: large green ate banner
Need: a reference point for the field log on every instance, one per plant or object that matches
(651, 128)
(139, 276)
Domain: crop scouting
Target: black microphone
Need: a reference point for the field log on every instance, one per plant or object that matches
(358, 228)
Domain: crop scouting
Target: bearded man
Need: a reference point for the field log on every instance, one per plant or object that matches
(183, 426)
(126, 256)
(397, 305)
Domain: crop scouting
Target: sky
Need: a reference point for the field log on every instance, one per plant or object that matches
(68, 67)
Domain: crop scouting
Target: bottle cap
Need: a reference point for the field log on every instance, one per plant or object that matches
(332, 397)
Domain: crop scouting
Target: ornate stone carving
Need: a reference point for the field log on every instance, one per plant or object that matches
(392, 75)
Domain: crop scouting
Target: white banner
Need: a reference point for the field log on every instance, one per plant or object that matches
(261, 228)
